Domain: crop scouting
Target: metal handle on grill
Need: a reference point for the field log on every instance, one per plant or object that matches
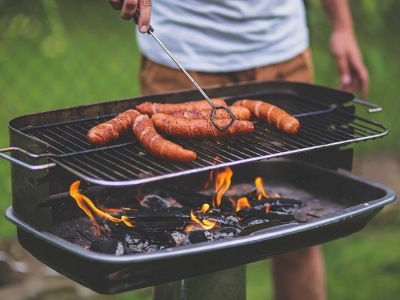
(213, 106)
(374, 107)
(24, 164)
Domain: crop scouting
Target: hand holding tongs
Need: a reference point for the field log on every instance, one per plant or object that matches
(214, 107)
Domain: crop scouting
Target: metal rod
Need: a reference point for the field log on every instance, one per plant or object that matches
(182, 68)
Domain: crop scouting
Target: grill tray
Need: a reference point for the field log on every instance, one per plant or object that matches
(61, 135)
(359, 200)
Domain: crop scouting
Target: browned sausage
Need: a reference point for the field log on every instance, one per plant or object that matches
(271, 114)
(111, 130)
(156, 145)
(240, 112)
(151, 108)
(199, 128)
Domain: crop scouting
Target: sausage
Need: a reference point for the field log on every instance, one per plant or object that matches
(240, 112)
(156, 145)
(271, 114)
(199, 128)
(106, 132)
(151, 108)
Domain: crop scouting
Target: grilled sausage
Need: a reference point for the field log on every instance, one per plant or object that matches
(240, 112)
(156, 145)
(150, 108)
(199, 128)
(106, 132)
(271, 114)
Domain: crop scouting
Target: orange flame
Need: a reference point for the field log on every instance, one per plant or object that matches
(212, 173)
(222, 183)
(260, 188)
(242, 203)
(267, 208)
(206, 224)
(87, 206)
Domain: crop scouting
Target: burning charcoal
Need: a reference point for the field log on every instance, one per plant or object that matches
(161, 239)
(165, 215)
(154, 248)
(198, 236)
(251, 221)
(189, 198)
(262, 214)
(254, 224)
(179, 238)
(232, 220)
(277, 204)
(155, 202)
(107, 246)
(226, 233)
(135, 243)
(281, 216)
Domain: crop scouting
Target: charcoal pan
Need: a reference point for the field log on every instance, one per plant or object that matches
(360, 200)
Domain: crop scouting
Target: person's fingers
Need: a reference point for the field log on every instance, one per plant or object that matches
(128, 9)
(363, 80)
(116, 4)
(360, 77)
(344, 72)
(145, 13)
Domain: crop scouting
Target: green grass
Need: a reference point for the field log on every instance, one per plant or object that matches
(81, 52)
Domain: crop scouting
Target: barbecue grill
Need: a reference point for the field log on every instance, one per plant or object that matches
(49, 151)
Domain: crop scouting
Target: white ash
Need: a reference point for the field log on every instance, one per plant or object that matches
(155, 202)
(135, 243)
(179, 238)
(198, 236)
(153, 248)
(227, 233)
(232, 220)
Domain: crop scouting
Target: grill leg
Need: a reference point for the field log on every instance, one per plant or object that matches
(226, 284)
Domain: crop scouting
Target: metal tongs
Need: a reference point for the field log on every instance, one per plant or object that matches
(214, 107)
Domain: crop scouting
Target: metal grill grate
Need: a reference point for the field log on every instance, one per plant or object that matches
(126, 162)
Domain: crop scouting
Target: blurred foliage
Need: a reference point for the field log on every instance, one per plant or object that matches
(377, 25)
(58, 54)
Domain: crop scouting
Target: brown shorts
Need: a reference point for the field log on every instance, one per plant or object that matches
(156, 78)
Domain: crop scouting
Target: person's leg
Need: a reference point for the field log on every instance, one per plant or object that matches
(299, 68)
(299, 274)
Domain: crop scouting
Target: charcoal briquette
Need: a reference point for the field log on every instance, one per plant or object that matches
(227, 233)
(135, 243)
(107, 246)
(198, 236)
(179, 238)
(154, 202)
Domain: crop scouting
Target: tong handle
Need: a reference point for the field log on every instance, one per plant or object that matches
(373, 107)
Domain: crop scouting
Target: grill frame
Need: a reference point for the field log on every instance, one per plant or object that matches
(325, 123)
(108, 274)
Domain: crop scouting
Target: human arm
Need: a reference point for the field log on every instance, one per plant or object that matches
(344, 47)
(128, 9)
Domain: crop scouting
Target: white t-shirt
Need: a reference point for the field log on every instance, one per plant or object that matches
(226, 35)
